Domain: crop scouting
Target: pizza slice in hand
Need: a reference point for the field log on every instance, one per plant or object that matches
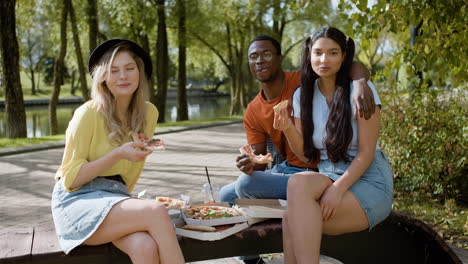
(259, 159)
(280, 106)
(153, 144)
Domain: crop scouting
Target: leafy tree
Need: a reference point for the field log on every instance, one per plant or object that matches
(59, 64)
(79, 57)
(30, 41)
(227, 36)
(14, 105)
(372, 52)
(439, 49)
(134, 20)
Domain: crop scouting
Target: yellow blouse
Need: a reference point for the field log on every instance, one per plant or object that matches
(86, 140)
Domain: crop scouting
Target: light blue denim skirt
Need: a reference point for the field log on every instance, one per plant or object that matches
(77, 215)
(374, 189)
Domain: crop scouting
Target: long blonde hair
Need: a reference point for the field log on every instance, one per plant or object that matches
(104, 100)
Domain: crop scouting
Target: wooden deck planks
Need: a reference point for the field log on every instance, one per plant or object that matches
(45, 240)
(16, 245)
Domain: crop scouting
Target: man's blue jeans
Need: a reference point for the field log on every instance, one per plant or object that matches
(268, 184)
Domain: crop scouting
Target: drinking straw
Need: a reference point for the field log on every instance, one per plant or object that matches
(209, 183)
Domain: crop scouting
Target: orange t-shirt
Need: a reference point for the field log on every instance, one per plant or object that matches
(258, 120)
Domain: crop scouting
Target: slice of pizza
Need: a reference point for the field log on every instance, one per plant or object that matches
(171, 203)
(210, 212)
(153, 144)
(280, 106)
(259, 159)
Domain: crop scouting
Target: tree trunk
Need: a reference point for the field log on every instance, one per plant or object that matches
(144, 40)
(58, 70)
(237, 82)
(162, 62)
(79, 56)
(14, 102)
(72, 83)
(38, 86)
(182, 109)
(30, 47)
(93, 24)
(237, 102)
(33, 82)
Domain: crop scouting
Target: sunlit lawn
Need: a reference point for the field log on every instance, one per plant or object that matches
(19, 142)
(448, 219)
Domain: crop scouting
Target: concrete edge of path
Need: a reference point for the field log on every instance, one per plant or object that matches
(61, 144)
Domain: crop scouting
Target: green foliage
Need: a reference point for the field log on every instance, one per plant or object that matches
(439, 49)
(426, 140)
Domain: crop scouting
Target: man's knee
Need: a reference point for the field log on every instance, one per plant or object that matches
(244, 185)
(227, 194)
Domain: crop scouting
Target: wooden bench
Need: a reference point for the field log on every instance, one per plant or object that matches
(399, 239)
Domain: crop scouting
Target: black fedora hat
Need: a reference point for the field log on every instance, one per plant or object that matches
(108, 44)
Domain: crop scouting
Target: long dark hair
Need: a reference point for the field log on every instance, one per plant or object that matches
(339, 130)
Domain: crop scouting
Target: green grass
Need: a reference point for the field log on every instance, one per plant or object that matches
(45, 90)
(448, 219)
(19, 142)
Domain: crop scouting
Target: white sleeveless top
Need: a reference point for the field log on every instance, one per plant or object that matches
(320, 112)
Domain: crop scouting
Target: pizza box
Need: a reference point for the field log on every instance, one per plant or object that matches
(262, 208)
(209, 236)
(214, 222)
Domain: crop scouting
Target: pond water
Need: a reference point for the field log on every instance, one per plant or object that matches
(37, 119)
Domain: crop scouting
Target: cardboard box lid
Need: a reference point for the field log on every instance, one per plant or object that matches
(209, 236)
(262, 208)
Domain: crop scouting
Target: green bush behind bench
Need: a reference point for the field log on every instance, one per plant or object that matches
(425, 138)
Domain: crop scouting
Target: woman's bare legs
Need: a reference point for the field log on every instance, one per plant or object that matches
(304, 216)
(288, 249)
(140, 246)
(134, 215)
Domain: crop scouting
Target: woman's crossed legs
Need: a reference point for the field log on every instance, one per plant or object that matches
(303, 224)
(142, 229)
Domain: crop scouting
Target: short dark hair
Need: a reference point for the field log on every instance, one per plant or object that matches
(270, 38)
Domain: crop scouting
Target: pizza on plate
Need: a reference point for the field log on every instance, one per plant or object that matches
(153, 144)
(210, 212)
(171, 203)
(259, 159)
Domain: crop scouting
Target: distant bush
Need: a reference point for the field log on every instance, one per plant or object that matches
(425, 138)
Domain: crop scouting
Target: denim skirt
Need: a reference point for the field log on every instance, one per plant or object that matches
(77, 215)
(374, 189)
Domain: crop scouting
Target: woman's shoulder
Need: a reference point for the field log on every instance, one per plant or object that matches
(151, 111)
(150, 107)
(87, 109)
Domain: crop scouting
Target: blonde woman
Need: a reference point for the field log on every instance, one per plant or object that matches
(91, 202)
